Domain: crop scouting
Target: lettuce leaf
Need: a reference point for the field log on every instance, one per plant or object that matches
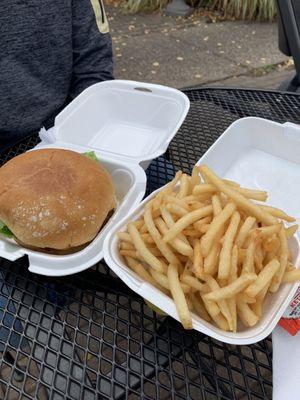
(5, 231)
(91, 155)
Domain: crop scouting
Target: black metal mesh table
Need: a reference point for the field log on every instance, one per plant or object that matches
(88, 337)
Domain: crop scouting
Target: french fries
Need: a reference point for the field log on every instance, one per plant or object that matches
(204, 242)
(225, 259)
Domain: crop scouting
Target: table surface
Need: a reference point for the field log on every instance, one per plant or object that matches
(88, 337)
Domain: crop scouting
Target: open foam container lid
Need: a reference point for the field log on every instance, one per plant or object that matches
(124, 118)
(256, 153)
(127, 124)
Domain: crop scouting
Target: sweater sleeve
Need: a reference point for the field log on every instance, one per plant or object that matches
(92, 47)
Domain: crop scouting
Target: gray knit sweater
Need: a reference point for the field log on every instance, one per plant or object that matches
(50, 50)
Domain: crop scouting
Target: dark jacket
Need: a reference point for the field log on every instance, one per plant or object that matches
(50, 50)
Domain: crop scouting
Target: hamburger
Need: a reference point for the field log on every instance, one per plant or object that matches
(54, 200)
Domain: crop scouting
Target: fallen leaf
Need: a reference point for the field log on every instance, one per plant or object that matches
(206, 38)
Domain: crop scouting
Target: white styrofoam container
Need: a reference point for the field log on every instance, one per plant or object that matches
(256, 153)
(127, 124)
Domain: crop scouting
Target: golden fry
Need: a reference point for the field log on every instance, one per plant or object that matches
(225, 254)
(179, 298)
(212, 260)
(126, 246)
(203, 221)
(143, 250)
(283, 259)
(231, 183)
(170, 222)
(233, 265)
(241, 201)
(174, 200)
(185, 221)
(130, 253)
(215, 226)
(246, 314)
(176, 209)
(195, 179)
(221, 322)
(276, 212)
(184, 186)
(233, 312)
(191, 232)
(182, 247)
(192, 282)
(259, 256)
(162, 280)
(163, 247)
(291, 230)
(245, 298)
(197, 259)
(204, 188)
(257, 307)
(213, 284)
(144, 274)
(264, 278)
(244, 231)
(232, 289)
(212, 308)
(216, 205)
(272, 244)
(248, 264)
(266, 231)
(138, 224)
(199, 307)
(252, 194)
(292, 275)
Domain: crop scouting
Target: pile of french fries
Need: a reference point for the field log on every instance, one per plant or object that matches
(213, 247)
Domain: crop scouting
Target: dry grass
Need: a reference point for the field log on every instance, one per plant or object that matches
(254, 10)
(261, 10)
(134, 6)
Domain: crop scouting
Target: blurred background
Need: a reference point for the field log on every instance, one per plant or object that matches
(198, 42)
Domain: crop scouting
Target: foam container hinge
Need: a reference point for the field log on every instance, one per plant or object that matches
(127, 124)
(256, 153)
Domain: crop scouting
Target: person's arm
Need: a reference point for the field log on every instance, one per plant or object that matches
(92, 47)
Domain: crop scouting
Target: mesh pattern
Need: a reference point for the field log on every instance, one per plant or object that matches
(88, 337)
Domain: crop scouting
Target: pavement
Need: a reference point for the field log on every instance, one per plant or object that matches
(183, 52)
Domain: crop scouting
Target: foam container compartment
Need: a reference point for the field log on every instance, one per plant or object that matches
(256, 153)
(127, 124)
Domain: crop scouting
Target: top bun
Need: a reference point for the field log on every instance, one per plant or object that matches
(54, 198)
